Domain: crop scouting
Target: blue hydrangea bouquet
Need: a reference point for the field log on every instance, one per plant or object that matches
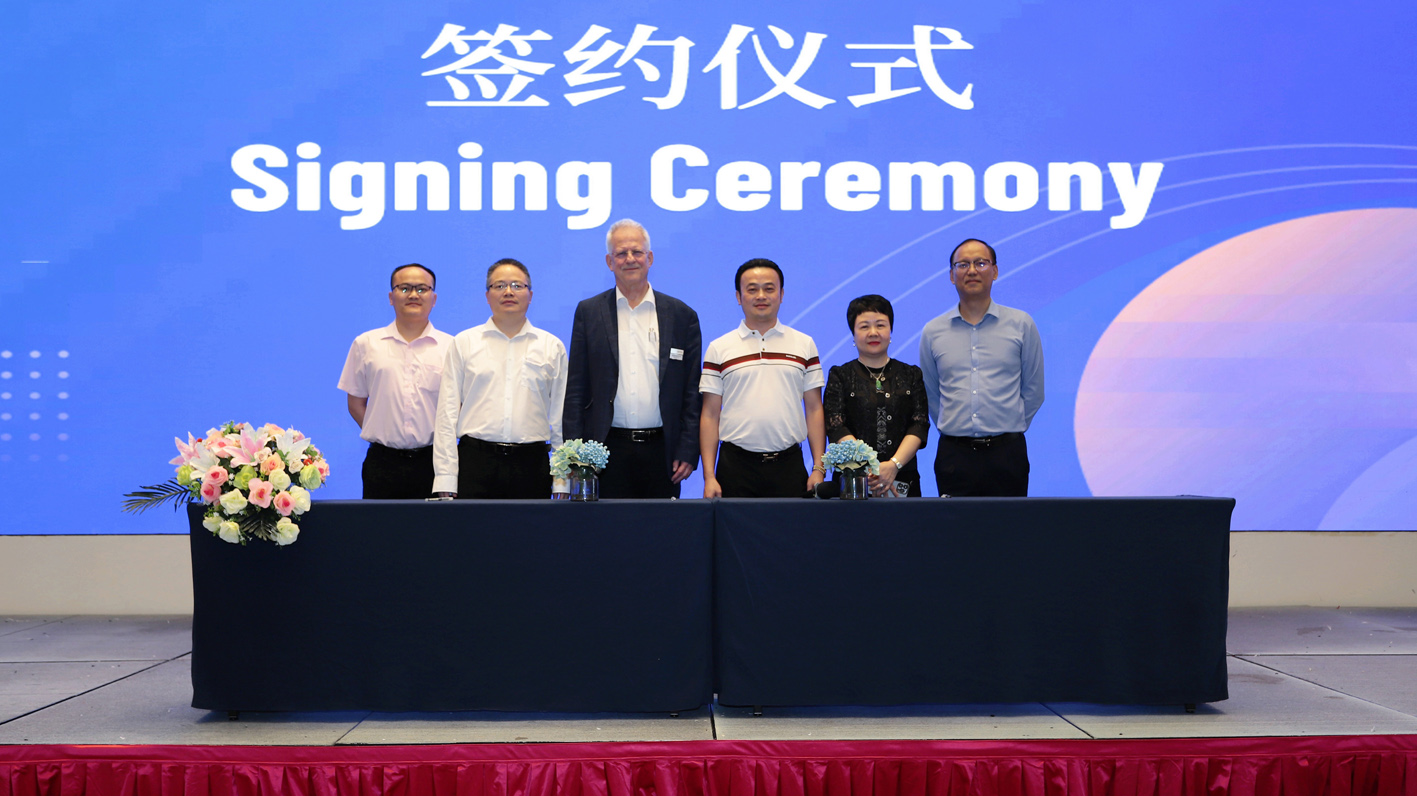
(849, 456)
(578, 454)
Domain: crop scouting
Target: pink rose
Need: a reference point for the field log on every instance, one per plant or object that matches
(324, 468)
(261, 492)
(215, 476)
(284, 504)
(271, 464)
(210, 493)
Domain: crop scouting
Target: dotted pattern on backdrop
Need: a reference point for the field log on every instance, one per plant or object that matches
(33, 405)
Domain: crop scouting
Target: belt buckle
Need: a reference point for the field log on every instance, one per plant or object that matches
(771, 457)
(982, 442)
(639, 435)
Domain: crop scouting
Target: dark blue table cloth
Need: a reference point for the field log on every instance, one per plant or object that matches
(971, 600)
(498, 605)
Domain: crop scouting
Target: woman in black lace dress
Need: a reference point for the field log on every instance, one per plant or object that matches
(879, 400)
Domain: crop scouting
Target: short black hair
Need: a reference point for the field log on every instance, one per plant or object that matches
(868, 303)
(756, 262)
(992, 255)
(432, 275)
(510, 261)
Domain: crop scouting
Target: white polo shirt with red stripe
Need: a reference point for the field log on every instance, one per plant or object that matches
(762, 378)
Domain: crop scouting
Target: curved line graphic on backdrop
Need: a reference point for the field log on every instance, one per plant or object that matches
(1168, 211)
(1271, 147)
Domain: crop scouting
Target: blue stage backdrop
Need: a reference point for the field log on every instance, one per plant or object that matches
(1210, 208)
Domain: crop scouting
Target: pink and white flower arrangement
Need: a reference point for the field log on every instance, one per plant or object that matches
(253, 481)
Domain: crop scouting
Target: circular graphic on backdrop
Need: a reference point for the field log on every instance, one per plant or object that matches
(1278, 367)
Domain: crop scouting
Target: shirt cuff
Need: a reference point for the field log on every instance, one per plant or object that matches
(445, 483)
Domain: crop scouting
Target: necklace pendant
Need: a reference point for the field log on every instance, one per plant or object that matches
(878, 384)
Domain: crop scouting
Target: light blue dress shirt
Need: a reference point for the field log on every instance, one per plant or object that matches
(982, 379)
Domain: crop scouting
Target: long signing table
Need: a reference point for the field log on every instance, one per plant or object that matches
(641, 606)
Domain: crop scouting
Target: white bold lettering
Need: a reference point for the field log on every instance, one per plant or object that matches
(595, 202)
(243, 162)
(406, 176)
(661, 177)
(504, 185)
(792, 177)
(1135, 193)
(368, 205)
(470, 177)
(853, 186)
(1060, 186)
(996, 186)
(932, 185)
(307, 177)
(739, 185)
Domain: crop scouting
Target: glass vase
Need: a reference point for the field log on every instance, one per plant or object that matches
(585, 485)
(854, 485)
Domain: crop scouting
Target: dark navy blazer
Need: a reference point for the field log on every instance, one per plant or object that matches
(595, 373)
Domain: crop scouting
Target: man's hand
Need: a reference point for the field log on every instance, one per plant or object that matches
(711, 487)
(682, 470)
(445, 495)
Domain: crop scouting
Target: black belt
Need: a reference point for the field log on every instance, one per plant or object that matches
(983, 442)
(636, 434)
(766, 457)
(405, 453)
(503, 448)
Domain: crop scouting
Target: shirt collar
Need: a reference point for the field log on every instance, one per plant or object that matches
(621, 299)
(954, 311)
(392, 332)
(744, 332)
(527, 330)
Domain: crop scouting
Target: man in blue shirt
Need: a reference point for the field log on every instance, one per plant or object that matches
(983, 367)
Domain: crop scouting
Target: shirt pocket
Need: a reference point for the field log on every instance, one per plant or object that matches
(535, 371)
(429, 378)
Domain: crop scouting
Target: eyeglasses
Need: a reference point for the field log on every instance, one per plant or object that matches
(963, 265)
(404, 290)
(515, 287)
(630, 254)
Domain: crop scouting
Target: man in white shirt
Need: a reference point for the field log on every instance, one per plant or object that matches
(504, 387)
(762, 386)
(392, 376)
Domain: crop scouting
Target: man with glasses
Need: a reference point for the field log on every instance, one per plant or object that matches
(504, 385)
(392, 376)
(983, 367)
(634, 381)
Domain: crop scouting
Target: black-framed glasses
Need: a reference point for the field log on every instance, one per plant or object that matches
(979, 265)
(404, 290)
(515, 287)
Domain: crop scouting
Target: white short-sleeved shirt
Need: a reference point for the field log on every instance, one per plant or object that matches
(401, 379)
(499, 389)
(762, 378)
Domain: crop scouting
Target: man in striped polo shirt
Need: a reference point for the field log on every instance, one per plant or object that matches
(762, 387)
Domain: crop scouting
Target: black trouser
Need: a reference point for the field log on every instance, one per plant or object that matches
(743, 473)
(638, 467)
(982, 466)
(499, 471)
(397, 473)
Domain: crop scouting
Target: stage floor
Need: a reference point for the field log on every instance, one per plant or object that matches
(127, 680)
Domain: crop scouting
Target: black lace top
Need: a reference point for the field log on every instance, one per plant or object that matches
(879, 417)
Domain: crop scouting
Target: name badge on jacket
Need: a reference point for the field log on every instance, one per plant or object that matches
(676, 353)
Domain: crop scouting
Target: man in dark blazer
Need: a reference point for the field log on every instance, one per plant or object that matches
(635, 361)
